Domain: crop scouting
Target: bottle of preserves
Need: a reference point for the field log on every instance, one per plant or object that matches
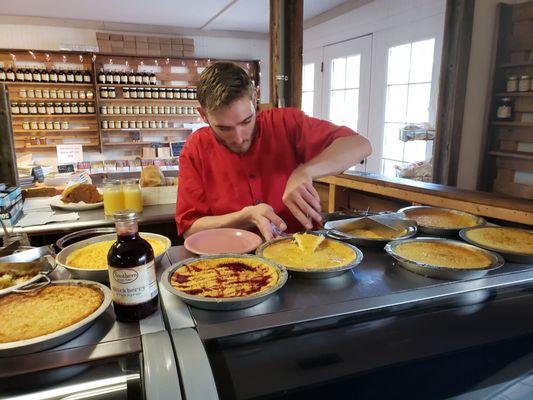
(153, 79)
(131, 271)
(36, 73)
(101, 76)
(10, 75)
(78, 76)
(19, 75)
(45, 75)
(3, 74)
(53, 75)
(61, 76)
(131, 77)
(87, 77)
(124, 78)
(70, 76)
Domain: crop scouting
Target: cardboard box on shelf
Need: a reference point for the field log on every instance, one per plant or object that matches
(115, 36)
(130, 45)
(163, 152)
(148, 153)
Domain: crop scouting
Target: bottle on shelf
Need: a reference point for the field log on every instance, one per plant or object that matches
(146, 78)
(87, 77)
(10, 75)
(28, 76)
(36, 75)
(131, 257)
(45, 75)
(70, 76)
(109, 77)
(53, 75)
(19, 74)
(116, 77)
(101, 76)
(153, 79)
(62, 76)
(138, 78)
(123, 78)
(78, 76)
(2, 73)
(504, 112)
(131, 77)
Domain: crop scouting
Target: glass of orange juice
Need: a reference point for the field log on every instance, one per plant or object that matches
(113, 196)
(133, 199)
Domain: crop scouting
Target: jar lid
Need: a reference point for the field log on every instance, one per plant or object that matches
(125, 215)
(524, 77)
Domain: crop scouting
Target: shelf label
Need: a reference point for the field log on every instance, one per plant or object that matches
(69, 153)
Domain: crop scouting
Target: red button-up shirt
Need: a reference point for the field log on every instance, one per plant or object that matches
(215, 181)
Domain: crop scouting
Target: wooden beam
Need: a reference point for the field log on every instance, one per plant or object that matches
(8, 163)
(452, 89)
(286, 52)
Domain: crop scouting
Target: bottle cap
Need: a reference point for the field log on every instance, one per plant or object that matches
(125, 215)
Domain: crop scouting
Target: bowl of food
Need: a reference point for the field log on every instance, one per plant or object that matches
(440, 221)
(87, 259)
(514, 244)
(224, 281)
(311, 255)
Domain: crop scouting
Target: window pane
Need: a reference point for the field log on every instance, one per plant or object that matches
(307, 103)
(398, 64)
(392, 146)
(308, 76)
(415, 151)
(351, 111)
(388, 167)
(352, 71)
(422, 61)
(418, 102)
(338, 73)
(336, 106)
(396, 105)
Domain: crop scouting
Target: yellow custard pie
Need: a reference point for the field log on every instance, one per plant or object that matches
(441, 218)
(225, 277)
(504, 239)
(293, 254)
(441, 254)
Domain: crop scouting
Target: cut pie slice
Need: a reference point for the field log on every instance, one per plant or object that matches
(308, 243)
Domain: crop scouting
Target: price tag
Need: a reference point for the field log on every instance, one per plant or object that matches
(38, 174)
(69, 153)
(65, 168)
(176, 147)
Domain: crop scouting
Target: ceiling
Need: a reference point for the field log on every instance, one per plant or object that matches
(231, 15)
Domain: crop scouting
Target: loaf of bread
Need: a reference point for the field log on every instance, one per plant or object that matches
(42, 191)
(152, 176)
(81, 192)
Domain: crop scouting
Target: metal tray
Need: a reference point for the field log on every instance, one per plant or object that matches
(334, 230)
(84, 234)
(510, 256)
(436, 231)
(433, 271)
(63, 335)
(315, 273)
(223, 304)
(99, 275)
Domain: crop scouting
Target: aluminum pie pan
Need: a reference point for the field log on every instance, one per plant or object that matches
(63, 335)
(99, 275)
(236, 303)
(510, 256)
(433, 271)
(316, 273)
(333, 226)
(433, 230)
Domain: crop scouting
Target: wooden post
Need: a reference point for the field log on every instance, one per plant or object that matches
(8, 163)
(286, 52)
(452, 89)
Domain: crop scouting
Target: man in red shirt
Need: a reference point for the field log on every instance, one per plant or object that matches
(256, 170)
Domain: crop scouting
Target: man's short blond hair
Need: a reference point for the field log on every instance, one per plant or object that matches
(221, 83)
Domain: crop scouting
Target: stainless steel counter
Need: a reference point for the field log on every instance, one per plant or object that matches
(96, 218)
(376, 284)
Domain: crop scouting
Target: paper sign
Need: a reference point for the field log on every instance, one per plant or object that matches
(69, 153)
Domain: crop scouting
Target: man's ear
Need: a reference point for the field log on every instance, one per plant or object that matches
(203, 114)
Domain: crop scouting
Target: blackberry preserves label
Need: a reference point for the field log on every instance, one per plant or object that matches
(136, 285)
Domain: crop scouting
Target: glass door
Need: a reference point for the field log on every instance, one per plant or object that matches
(346, 85)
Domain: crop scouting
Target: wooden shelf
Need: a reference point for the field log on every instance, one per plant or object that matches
(55, 84)
(515, 94)
(517, 64)
(512, 123)
(135, 85)
(53, 146)
(48, 100)
(132, 143)
(512, 154)
(52, 130)
(22, 116)
(135, 117)
(143, 129)
(168, 101)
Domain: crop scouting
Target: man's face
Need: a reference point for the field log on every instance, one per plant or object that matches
(233, 124)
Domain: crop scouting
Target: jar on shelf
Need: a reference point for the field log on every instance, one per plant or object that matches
(83, 108)
(162, 93)
(504, 112)
(66, 108)
(147, 93)
(165, 124)
(26, 125)
(75, 94)
(32, 108)
(126, 93)
(173, 110)
(50, 108)
(140, 93)
(75, 108)
(146, 124)
(103, 110)
(105, 125)
(57, 125)
(133, 93)
(68, 94)
(49, 125)
(190, 94)
(524, 84)
(110, 110)
(90, 108)
(179, 110)
(129, 109)
(60, 94)
(24, 108)
(41, 108)
(123, 110)
(111, 124)
(176, 92)
(142, 109)
(155, 93)
(31, 93)
(149, 110)
(116, 110)
(38, 93)
(15, 108)
(118, 124)
(34, 125)
(138, 124)
(89, 94)
(167, 109)
(53, 93)
(135, 109)
(41, 125)
(125, 124)
(111, 93)
(170, 93)
(58, 108)
(153, 124)
(160, 124)
(46, 93)
(23, 94)
(161, 109)
(64, 125)
(185, 110)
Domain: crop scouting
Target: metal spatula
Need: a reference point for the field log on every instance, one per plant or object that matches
(373, 225)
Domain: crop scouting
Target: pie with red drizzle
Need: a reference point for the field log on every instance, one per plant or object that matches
(225, 277)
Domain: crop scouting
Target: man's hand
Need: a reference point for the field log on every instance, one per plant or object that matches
(301, 198)
(263, 216)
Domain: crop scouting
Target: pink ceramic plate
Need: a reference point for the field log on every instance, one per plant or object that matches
(222, 240)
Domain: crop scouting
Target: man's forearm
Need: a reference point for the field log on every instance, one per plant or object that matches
(237, 219)
(343, 153)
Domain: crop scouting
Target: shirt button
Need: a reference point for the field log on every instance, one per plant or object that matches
(252, 176)
(258, 202)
